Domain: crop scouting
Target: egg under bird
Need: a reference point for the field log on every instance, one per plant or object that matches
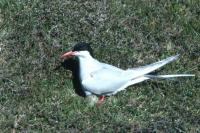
(92, 77)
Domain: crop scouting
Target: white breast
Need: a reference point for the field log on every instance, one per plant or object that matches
(87, 64)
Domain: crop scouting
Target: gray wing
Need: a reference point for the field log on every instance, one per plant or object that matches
(105, 80)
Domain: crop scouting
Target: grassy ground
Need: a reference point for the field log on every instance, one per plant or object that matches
(130, 33)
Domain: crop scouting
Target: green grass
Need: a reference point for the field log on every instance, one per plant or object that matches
(35, 98)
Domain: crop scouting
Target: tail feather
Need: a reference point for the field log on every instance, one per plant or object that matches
(147, 77)
(143, 73)
(169, 76)
(140, 71)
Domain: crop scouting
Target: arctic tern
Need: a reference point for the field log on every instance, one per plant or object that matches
(92, 77)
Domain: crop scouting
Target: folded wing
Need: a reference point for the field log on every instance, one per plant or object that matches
(105, 81)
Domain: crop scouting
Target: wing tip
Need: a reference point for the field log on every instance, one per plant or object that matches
(174, 57)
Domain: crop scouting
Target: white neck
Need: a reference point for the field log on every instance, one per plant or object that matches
(87, 64)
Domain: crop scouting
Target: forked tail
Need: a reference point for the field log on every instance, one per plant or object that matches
(144, 71)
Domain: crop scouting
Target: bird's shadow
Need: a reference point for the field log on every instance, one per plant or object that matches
(73, 65)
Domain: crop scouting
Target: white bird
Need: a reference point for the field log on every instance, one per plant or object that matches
(96, 78)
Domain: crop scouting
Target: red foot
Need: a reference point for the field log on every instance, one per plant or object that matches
(101, 99)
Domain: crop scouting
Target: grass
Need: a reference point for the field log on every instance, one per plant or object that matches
(35, 98)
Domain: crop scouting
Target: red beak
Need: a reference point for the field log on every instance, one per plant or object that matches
(68, 54)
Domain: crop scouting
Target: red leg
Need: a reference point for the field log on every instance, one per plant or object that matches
(101, 99)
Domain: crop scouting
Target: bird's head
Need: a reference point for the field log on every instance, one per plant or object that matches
(79, 50)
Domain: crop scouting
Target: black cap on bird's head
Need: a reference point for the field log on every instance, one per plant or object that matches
(78, 47)
(69, 63)
(83, 46)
